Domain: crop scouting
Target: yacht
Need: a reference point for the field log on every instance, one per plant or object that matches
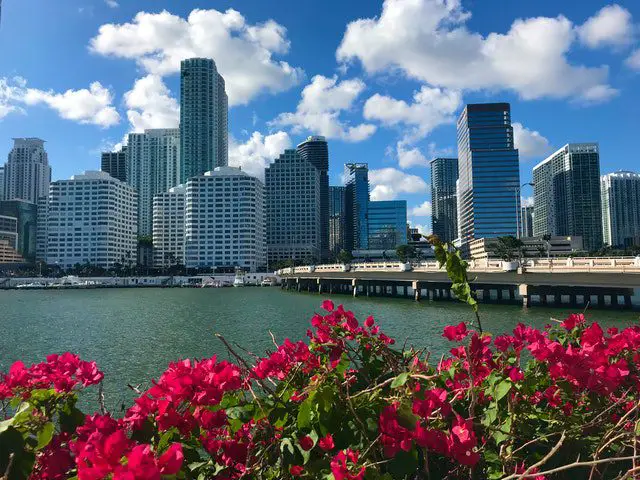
(239, 280)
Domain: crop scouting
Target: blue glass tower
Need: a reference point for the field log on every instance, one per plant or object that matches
(489, 173)
(357, 207)
(387, 224)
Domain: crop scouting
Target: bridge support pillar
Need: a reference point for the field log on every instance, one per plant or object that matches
(319, 286)
(614, 300)
(573, 300)
(523, 290)
(416, 291)
(601, 301)
(354, 286)
(486, 295)
(627, 301)
(499, 294)
(298, 284)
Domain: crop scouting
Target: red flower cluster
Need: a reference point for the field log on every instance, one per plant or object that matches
(344, 466)
(280, 363)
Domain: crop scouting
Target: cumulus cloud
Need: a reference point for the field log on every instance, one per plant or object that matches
(244, 53)
(257, 152)
(428, 40)
(112, 3)
(530, 143)
(323, 100)
(150, 105)
(388, 183)
(634, 60)
(409, 156)
(87, 106)
(422, 210)
(611, 26)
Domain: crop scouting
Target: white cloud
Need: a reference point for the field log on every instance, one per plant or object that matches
(388, 183)
(257, 152)
(86, 106)
(150, 105)
(428, 40)
(413, 157)
(323, 100)
(422, 210)
(526, 201)
(243, 52)
(611, 26)
(430, 108)
(530, 143)
(633, 61)
(112, 3)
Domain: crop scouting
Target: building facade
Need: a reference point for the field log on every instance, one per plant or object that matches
(532, 247)
(115, 164)
(92, 218)
(9, 231)
(489, 173)
(567, 194)
(316, 151)
(337, 219)
(1, 182)
(621, 209)
(293, 192)
(26, 215)
(225, 221)
(387, 224)
(27, 173)
(42, 227)
(153, 166)
(526, 221)
(203, 118)
(444, 217)
(357, 207)
(168, 227)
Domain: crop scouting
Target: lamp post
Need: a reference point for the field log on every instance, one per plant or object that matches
(518, 191)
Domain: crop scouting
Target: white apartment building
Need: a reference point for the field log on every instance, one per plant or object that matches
(225, 221)
(168, 227)
(621, 208)
(91, 218)
(27, 172)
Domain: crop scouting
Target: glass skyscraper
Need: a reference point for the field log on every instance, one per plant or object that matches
(387, 224)
(444, 218)
(621, 208)
(316, 151)
(526, 222)
(567, 194)
(203, 118)
(115, 164)
(357, 207)
(489, 174)
(337, 219)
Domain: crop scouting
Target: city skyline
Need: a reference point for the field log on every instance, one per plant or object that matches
(274, 105)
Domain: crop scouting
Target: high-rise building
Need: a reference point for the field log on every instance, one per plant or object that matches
(316, 151)
(203, 118)
(337, 219)
(357, 207)
(387, 224)
(526, 222)
(489, 173)
(92, 219)
(168, 227)
(621, 208)
(566, 194)
(225, 221)
(1, 183)
(26, 215)
(115, 164)
(27, 172)
(42, 228)
(444, 217)
(293, 191)
(153, 166)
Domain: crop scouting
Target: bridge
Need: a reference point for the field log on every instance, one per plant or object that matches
(601, 282)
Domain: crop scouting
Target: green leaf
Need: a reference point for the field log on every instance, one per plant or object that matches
(304, 413)
(490, 415)
(502, 389)
(45, 435)
(400, 380)
(406, 418)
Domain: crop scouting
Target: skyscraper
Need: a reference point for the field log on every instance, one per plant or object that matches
(203, 118)
(1, 183)
(357, 207)
(27, 171)
(315, 151)
(526, 222)
(621, 208)
(152, 166)
(387, 224)
(489, 174)
(168, 227)
(567, 194)
(444, 217)
(337, 219)
(292, 187)
(115, 164)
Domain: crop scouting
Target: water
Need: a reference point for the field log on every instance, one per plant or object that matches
(134, 333)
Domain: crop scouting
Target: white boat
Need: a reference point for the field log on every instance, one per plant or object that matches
(239, 280)
(269, 282)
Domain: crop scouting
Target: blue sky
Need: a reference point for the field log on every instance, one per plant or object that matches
(383, 80)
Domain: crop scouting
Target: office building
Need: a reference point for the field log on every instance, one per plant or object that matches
(8, 254)
(27, 173)
(337, 219)
(26, 215)
(115, 164)
(9, 231)
(444, 217)
(203, 118)
(488, 171)
(293, 190)
(42, 228)
(357, 207)
(621, 209)
(387, 224)
(168, 227)
(316, 151)
(567, 194)
(92, 218)
(526, 222)
(532, 247)
(225, 221)
(153, 166)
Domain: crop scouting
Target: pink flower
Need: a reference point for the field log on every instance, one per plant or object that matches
(515, 374)
(171, 460)
(328, 305)
(326, 443)
(369, 322)
(306, 443)
(456, 333)
(572, 321)
(296, 470)
(342, 470)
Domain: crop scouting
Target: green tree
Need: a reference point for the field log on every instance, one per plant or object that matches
(406, 253)
(509, 248)
(345, 257)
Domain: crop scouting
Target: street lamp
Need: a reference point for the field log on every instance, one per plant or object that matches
(518, 191)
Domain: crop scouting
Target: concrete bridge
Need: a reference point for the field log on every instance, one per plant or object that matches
(601, 282)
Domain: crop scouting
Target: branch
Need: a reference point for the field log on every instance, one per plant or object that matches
(546, 458)
(569, 466)
(103, 409)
